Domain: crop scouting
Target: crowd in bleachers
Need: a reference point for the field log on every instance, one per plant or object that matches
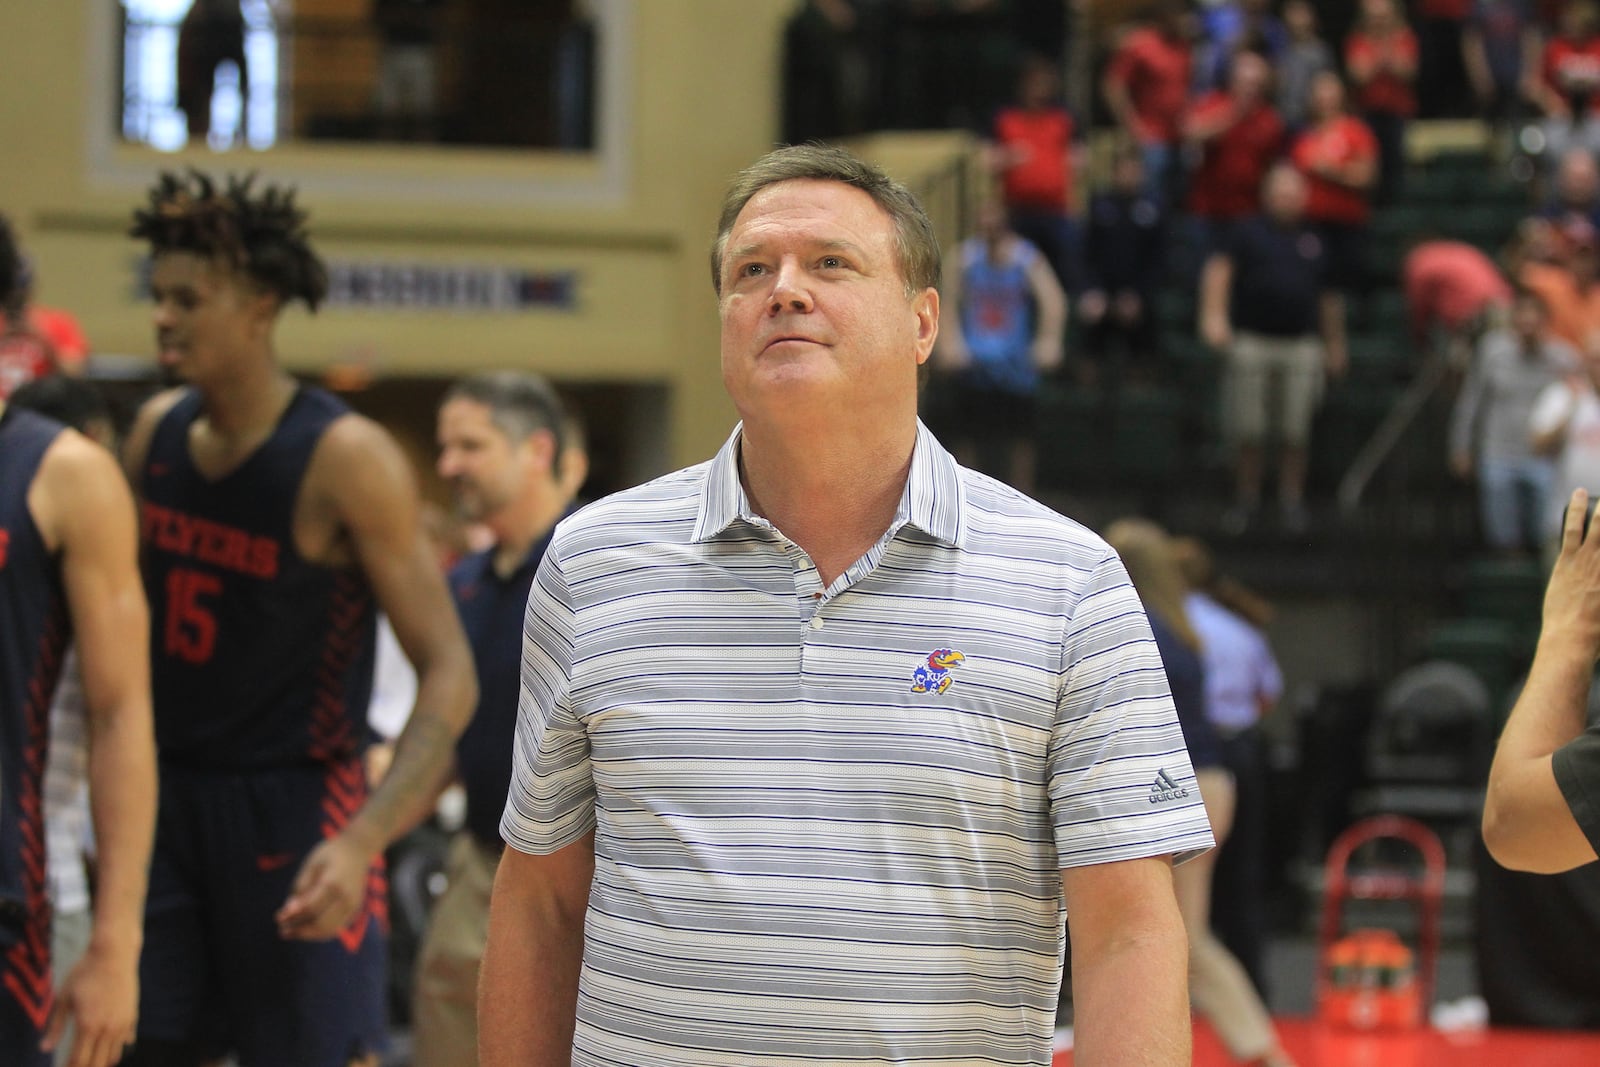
(1131, 192)
(1392, 208)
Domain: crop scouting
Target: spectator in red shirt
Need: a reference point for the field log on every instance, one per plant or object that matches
(1339, 157)
(1239, 136)
(1570, 289)
(1569, 91)
(1381, 56)
(1146, 86)
(1035, 154)
(1455, 288)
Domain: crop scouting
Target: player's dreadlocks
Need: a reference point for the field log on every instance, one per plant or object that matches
(262, 236)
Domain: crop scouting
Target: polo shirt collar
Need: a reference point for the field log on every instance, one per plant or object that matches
(932, 501)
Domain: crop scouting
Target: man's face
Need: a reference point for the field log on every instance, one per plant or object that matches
(1527, 319)
(204, 315)
(814, 309)
(1327, 96)
(1247, 80)
(1285, 195)
(1378, 14)
(485, 469)
(1578, 179)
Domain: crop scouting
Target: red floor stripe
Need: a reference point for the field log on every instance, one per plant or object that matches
(1316, 1046)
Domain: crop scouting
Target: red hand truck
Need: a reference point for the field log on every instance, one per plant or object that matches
(1369, 979)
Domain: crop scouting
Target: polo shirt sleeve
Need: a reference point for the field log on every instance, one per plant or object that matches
(1120, 782)
(1577, 770)
(551, 801)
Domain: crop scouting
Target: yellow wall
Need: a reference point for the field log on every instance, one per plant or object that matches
(698, 100)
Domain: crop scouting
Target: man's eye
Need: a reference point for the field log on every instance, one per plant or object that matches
(832, 262)
(750, 270)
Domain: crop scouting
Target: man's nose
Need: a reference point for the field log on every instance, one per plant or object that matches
(791, 290)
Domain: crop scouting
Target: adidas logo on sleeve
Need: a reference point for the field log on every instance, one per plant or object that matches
(1164, 789)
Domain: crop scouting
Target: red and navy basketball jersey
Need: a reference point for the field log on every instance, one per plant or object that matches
(259, 657)
(35, 629)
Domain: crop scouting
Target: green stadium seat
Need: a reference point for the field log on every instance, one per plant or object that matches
(1384, 311)
(1495, 650)
(1349, 415)
(1511, 590)
(1147, 436)
(1400, 221)
(1070, 430)
(1385, 254)
(1468, 161)
(1427, 186)
(1381, 357)
(1175, 309)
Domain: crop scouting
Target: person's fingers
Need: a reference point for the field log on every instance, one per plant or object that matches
(57, 1023)
(318, 913)
(86, 1048)
(1572, 527)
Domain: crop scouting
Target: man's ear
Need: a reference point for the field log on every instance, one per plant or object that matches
(926, 307)
(542, 444)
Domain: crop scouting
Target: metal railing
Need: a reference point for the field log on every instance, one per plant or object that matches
(322, 78)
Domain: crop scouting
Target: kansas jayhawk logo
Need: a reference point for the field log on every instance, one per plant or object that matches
(934, 675)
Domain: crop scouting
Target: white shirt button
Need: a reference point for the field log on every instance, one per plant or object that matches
(816, 622)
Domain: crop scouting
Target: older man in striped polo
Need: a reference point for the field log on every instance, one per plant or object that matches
(817, 738)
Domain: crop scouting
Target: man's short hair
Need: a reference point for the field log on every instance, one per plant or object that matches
(260, 235)
(520, 404)
(74, 402)
(916, 247)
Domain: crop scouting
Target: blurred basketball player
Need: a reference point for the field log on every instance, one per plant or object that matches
(275, 524)
(69, 572)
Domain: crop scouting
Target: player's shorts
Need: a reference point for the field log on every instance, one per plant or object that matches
(215, 974)
(25, 984)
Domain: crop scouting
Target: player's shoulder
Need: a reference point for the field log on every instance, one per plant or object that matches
(153, 410)
(359, 469)
(77, 478)
(347, 441)
(136, 446)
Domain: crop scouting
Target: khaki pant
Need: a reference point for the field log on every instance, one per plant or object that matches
(1273, 382)
(445, 998)
(69, 940)
(1219, 989)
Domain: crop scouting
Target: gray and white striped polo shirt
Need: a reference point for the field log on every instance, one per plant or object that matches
(830, 824)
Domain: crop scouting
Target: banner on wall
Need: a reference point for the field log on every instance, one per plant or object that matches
(368, 284)
(455, 288)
